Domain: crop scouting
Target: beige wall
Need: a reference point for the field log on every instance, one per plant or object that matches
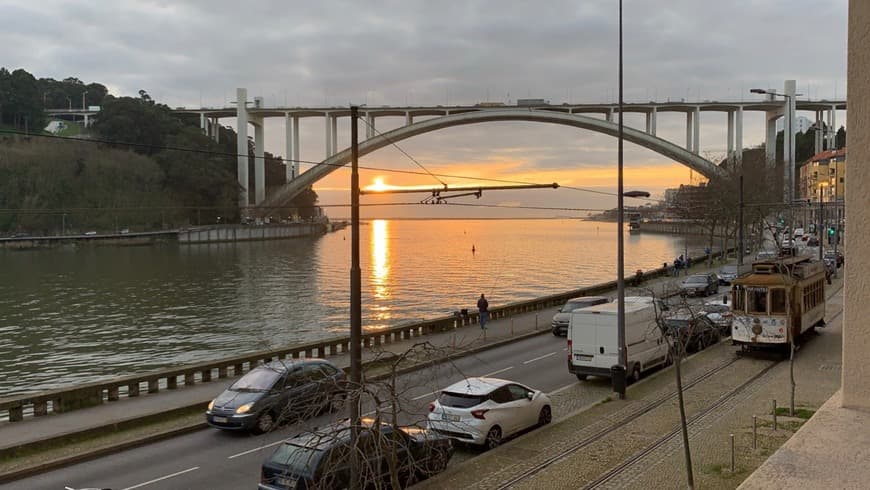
(856, 326)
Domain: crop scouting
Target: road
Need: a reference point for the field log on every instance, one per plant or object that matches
(223, 460)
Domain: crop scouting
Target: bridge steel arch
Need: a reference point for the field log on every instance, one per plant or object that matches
(663, 147)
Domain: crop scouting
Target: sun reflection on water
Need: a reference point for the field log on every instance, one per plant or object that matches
(380, 275)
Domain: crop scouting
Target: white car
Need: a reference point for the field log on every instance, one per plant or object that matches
(485, 411)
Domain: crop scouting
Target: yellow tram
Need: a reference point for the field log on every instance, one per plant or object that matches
(778, 302)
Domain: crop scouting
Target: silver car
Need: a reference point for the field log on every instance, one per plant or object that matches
(563, 317)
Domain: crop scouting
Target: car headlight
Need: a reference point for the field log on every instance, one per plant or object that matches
(245, 408)
(210, 405)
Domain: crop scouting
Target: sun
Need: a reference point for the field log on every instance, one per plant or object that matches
(378, 186)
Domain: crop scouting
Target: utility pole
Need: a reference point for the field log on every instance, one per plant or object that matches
(355, 303)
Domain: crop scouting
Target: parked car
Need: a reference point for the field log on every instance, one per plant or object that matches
(701, 284)
(321, 458)
(694, 330)
(485, 411)
(561, 319)
(730, 272)
(277, 391)
(719, 312)
(837, 257)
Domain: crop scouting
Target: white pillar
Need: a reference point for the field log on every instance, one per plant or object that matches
(819, 137)
(242, 147)
(202, 125)
(370, 127)
(409, 119)
(259, 161)
(651, 121)
(696, 138)
(216, 129)
(738, 134)
(788, 139)
(689, 128)
(610, 114)
(770, 139)
(295, 146)
(832, 121)
(328, 132)
(334, 135)
(87, 123)
(730, 151)
(288, 148)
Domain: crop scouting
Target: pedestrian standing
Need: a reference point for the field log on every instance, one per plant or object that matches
(483, 311)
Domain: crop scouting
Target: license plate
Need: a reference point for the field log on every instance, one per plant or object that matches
(285, 482)
(582, 357)
(449, 417)
(220, 420)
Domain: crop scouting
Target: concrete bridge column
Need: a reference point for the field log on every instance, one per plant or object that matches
(651, 122)
(328, 134)
(202, 123)
(696, 123)
(295, 146)
(738, 134)
(818, 138)
(289, 173)
(242, 146)
(730, 145)
(216, 130)
(770, 138)
(370, 127)
(610, 114)
(87, 122)
(689, 128)
(334, 135)
(409, 119)
(832, 123)
(259, 161)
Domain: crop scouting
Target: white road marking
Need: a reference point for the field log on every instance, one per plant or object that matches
(249, 451)
(497, 372)
(558, 390)
(424, 395)
(539, 358)
(163, 478)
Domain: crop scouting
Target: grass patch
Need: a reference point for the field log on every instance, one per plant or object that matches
(801, 413)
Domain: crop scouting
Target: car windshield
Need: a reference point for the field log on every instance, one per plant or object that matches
(460, 400)
(298, 460)
(696, 280)
(573, 305)
(677, 323)
(260, 379)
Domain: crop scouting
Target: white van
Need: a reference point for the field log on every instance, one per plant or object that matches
(592, 339)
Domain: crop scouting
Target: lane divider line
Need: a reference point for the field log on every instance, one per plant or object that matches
(497, 372)
(163, 478)
(539, 358)
(249, 451)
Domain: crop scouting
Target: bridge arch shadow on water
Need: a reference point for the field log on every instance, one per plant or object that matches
(656, 144)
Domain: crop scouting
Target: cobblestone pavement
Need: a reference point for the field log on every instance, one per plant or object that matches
(817, 378)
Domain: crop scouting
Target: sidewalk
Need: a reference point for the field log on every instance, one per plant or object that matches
(20, 440)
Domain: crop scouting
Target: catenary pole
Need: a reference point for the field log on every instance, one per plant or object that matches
(355, 302)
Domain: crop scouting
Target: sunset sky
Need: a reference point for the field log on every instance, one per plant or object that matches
(390, 52)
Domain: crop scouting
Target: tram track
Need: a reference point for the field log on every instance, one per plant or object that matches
(628, 417)
(662, 441)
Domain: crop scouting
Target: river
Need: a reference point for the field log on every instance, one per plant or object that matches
(82, 314)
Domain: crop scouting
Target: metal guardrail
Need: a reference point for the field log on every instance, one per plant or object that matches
(15, 408)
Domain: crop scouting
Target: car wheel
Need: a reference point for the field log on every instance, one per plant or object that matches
(265, 423)
(546, 416)
(581, 377)
(556, 333)
(635, 373)
(493, 438)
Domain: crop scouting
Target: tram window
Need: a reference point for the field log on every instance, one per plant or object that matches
(756, 300)
(777, 300)
(737, 302)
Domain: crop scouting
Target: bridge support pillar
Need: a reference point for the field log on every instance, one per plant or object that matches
(738, 134)
(202, 123)
(730, 144)
(696, 129)
(770, 139)
(215, 130)
(333, 121)
(259, 161)
(689, 126)
(328, 134)
(242, 147)
(289, 145)
(370, 127)
(651, 122)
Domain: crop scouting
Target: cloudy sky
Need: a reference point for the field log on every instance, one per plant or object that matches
(303, 53)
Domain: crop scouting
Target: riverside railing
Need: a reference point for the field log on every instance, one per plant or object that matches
(16, 408)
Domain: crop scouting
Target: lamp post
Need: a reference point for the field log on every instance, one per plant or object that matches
(787, 146)
(620, 242)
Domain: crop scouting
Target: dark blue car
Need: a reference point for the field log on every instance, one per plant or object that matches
(277, 391)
